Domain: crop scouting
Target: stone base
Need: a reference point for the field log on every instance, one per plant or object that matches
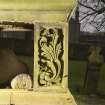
(36, 98)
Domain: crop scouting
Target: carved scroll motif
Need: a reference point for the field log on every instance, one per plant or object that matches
(50, 56)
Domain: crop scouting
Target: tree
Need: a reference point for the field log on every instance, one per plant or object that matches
(92, 15)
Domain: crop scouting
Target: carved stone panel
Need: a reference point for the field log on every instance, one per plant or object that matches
(50, 49)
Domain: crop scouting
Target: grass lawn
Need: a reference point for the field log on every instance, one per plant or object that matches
(89, 100)
(77, 71)
(76, 74)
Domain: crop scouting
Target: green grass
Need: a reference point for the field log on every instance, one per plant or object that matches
(89, 100)
(101, 82)
(77, 71)
(76, 74)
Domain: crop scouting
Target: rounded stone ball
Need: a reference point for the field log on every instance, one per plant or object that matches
(21, 81)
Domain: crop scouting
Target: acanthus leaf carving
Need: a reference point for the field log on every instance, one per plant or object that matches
(51, 47)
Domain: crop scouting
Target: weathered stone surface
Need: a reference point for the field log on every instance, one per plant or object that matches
(24, 97)
(37, 4)
(21, 81)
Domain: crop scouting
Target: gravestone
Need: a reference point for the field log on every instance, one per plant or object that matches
(95, 61)
(50, 19)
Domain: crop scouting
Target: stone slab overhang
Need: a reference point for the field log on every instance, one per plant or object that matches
(36, 10)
